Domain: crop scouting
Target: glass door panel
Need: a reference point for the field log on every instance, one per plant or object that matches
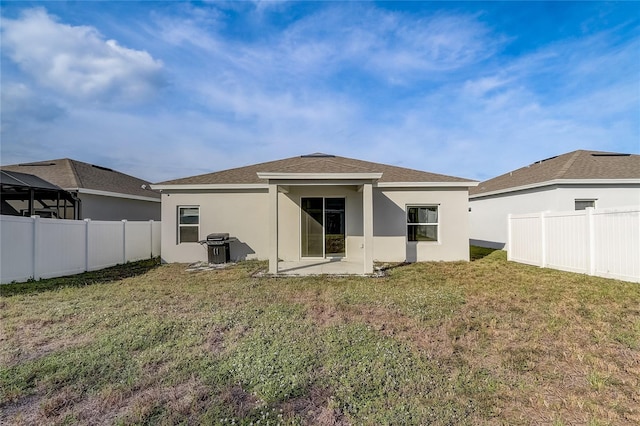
(334, 214)
(312, 227)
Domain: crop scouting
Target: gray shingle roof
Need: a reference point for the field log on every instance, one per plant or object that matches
(574, 165)
(314, 163)
(72, 174)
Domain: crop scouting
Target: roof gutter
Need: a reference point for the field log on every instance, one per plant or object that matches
(309, 181)
(112, 194)
(466, 184)
(209, 186)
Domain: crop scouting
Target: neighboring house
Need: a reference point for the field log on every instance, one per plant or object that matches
(104, 194)
(320, 207)
(572, 181)
(22, 194)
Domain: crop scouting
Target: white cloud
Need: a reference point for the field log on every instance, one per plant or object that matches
(77, 61)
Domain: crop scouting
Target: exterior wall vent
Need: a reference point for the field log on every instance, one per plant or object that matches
(318, 155)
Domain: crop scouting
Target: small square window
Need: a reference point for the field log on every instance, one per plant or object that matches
(583, 204)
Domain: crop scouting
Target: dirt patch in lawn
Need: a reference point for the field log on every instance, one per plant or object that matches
(241, 401)
(314, 408)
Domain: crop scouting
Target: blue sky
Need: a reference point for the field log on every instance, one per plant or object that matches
(162, 90)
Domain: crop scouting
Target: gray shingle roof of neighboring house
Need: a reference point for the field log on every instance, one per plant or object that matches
(313, 163)
(73, 175)
(576, 165)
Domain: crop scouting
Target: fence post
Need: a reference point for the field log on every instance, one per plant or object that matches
(151, 239)
(509, 216)
(36, 238)
(124, 241)
(86, 244)
(543, 241)
(591, 244)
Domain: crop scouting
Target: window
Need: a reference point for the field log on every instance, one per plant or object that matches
(188, 224)
(422, 223)
(583, 204)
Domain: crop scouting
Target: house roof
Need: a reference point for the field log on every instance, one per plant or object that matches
(24, 180)
(315, 164)
(75, 175)
(573, 166)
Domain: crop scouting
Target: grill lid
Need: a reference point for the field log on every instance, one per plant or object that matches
(221, 236)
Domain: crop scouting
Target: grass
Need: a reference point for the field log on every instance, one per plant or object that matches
(106, 275)
(483, 342)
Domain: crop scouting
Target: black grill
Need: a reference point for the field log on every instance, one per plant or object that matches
(218, 247)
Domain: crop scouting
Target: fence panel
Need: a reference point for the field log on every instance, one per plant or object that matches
(105, 244)
(526, 246)
(605, 243)
(45, 248)
(16, 249)
(138, 240)
(567, 241)
(617, 244)
(60, 248)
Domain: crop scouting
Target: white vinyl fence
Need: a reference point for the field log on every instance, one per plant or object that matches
(605, 243)
(35, 248)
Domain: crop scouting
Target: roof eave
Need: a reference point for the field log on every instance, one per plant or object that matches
(207, 186)
(556, 182)
(250, 186)
(113, 194)
(462, 184)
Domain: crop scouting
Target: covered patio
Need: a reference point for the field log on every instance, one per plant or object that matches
(282, 184)
(23, 194)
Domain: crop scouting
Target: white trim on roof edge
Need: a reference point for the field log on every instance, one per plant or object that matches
(233, 186)
(210, 186)
(557, 182)
(466, 184)
(112, 194)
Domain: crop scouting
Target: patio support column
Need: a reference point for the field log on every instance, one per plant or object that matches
(367, 210)
(273, 228)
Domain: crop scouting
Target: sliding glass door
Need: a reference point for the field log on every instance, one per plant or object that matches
(312, 223)
(322, 224)
(334, 234)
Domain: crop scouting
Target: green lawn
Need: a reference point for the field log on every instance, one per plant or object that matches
(443, 343)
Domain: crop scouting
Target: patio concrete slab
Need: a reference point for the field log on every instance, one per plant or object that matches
(321, 267)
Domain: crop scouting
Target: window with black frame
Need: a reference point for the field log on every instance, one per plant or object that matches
(188, 224)
(422, 223)
(583, 204)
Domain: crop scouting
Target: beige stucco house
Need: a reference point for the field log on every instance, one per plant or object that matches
(318, 207)
(572, 181)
